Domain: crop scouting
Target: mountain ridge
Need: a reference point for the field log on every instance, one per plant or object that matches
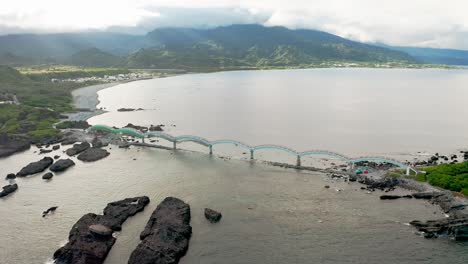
(187, 48)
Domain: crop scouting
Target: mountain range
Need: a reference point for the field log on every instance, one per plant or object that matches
(236, 46)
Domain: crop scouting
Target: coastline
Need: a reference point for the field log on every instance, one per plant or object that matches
(85, 101)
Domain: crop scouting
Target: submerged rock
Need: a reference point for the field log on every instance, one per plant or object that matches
(165, 238)
(78, 148)
(8, 189)
(212, 215)
(35, 167)
(93, 154)
(88, 242)
(62, 165)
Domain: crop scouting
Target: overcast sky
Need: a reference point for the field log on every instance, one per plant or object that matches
(430, 23)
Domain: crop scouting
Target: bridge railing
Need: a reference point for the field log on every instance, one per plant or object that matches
(252, 149)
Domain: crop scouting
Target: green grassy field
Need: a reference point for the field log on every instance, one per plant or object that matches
(452, 177)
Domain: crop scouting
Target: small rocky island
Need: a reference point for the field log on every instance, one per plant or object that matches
(165, 238)
(91, 239)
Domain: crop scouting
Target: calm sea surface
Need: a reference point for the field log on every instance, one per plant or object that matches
(270, 215)
(350, 111)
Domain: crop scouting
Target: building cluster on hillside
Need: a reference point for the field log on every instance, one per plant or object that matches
(109, 78)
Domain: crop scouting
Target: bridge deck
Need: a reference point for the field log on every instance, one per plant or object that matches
(252, 149)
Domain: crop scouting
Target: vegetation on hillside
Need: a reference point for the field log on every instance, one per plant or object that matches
(452, 177)
(41, 103)
(231, 47)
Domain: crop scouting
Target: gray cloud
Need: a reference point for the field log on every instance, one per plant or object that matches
(430, 23)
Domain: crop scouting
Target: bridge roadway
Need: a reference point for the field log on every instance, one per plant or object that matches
(252, 149)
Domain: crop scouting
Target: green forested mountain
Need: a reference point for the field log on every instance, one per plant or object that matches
(222, 47)
(95, 58)
(253, 46)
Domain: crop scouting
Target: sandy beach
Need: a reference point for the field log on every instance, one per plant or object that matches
(85, 101)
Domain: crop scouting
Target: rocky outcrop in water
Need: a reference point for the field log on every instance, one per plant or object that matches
(89, 241)
(456, 227)
(157, 128)
(165, 238)
(35, 167)
(8, 189)
(50, 210)
(99, 143)
(93, 154)
(10, 176)
(78, 148)
(394, 197)
(385, 184)
(62, 165)
(47, 176)
(137, 127)
(212, 215)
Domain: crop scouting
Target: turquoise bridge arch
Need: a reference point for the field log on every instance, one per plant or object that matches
(210, 144)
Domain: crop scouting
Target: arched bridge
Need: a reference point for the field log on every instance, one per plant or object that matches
(252, 149)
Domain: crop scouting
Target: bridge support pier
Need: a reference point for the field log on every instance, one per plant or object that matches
(211, 150)
(251, 154)
(298, 162)
(408, 171)
(174, 146)
(143, 140)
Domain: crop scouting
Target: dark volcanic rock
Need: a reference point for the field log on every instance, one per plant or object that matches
(45, 151)
(456, 227)
(62, 165)
(50, 210)
(426, 195)
(10, 146)
(35, 167)
(382, 184)
(10, 176)
(98, 143)
(390, 197)
(165, 238)
(85, 245)
(93, 154)
(137, 127)
(8, 189)
(156, 128)
(56, 147)
(78, 148)
(126, 109)
(56, 157)
(69, 141)
(212, 215)
(47, 176)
